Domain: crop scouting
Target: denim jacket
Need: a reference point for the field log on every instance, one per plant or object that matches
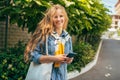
(57, 73)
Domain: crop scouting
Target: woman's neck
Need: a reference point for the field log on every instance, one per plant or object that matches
(59, 31)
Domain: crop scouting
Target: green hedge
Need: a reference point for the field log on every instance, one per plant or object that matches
(85, 54)
(12, 65)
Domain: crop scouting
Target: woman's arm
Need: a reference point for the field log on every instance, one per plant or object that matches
(48, 59)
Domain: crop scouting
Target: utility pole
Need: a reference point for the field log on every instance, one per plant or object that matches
(6, 27)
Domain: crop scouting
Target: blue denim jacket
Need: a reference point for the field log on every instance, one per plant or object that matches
(57, 73)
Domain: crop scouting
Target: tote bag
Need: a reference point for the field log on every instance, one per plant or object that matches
(40, 71)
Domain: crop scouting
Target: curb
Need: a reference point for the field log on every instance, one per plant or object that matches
(87, 67)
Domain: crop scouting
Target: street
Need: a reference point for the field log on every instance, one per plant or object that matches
(108, 64)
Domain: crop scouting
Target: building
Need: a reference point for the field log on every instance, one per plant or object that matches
(117, 7)
(116, 17)
(115, 21)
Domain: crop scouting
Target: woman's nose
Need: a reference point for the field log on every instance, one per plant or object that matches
(58, 18)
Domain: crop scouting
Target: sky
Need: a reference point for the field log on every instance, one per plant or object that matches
(110, 4)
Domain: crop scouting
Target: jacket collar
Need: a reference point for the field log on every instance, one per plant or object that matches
(63, 34)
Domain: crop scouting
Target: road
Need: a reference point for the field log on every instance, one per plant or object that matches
(108, 64)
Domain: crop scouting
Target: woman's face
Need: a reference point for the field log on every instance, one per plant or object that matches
(58, 19)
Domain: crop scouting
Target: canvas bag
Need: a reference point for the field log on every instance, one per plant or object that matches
(40, 71)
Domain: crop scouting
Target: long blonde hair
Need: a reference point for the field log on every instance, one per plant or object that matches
(45, 27)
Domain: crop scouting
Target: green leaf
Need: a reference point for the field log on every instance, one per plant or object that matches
(38, 2)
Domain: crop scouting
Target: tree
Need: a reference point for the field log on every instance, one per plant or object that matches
(87, 18)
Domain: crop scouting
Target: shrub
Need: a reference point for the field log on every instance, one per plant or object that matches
(118, 32)
(85, 54)
(12, 65)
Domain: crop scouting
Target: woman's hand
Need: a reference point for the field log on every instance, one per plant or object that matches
(69, 60)
(60, 58)
(63, 59)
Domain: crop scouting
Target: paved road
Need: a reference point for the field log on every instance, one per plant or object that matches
(108, 65)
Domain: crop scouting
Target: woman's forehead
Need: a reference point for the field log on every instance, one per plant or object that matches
(59, 11)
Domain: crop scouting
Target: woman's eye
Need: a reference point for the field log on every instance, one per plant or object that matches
(55, 17)
(58, 16)
(61, 15)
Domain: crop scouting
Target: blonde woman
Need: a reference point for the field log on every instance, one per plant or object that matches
(59, 43)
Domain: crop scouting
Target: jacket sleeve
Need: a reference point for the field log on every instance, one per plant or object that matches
(37, 53)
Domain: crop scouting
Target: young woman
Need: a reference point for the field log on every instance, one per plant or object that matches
(59, 43)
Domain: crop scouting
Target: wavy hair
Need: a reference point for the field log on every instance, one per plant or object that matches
(44, 27)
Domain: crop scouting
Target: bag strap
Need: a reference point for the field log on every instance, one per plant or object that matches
(46, 45)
